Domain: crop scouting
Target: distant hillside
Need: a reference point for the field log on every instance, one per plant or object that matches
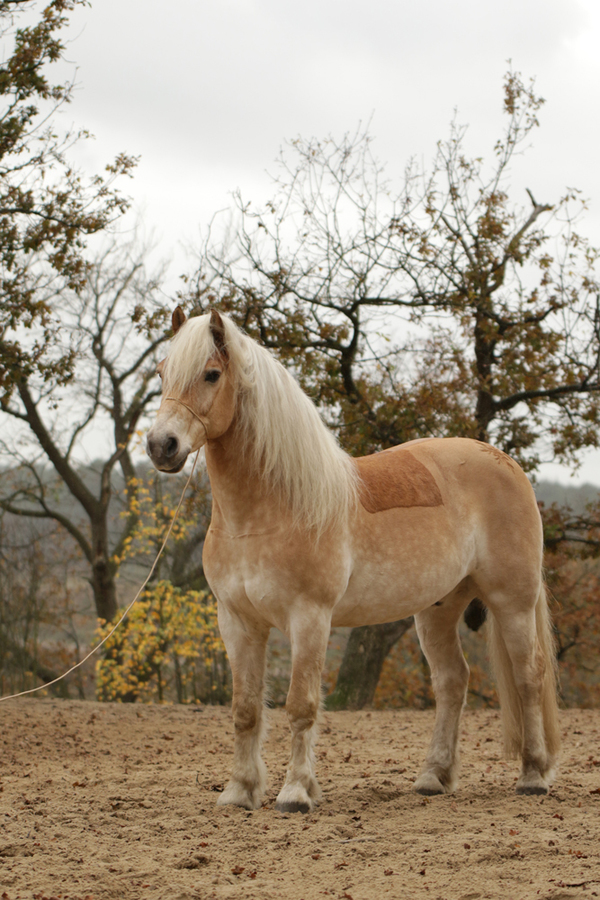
(575, 496)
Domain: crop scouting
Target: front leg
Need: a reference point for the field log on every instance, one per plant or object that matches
(246, 648)
(309, 634)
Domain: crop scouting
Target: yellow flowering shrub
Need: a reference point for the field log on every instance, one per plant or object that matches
(169, 648)
(151, 511)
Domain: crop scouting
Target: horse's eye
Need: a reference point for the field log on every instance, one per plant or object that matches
(212, 376)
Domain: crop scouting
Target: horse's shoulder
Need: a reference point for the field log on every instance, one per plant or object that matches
(395, 478)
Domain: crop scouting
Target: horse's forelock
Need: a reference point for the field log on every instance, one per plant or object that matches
(189, 352)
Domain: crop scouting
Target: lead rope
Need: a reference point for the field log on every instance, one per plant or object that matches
(42, 687)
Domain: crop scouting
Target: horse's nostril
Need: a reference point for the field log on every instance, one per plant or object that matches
(171, 447)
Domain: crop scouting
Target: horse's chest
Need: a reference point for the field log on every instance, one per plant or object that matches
(272, 569)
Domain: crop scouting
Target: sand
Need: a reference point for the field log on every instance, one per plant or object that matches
(118, 801)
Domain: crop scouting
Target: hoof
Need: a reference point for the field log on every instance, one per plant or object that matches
(532, 782)
(292, 806)
(429, 785)
(235, 794)
(296, 798)
(532, 789)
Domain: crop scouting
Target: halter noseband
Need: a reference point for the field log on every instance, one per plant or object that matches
(190, 410)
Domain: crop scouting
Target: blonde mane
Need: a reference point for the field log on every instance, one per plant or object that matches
(281, 433)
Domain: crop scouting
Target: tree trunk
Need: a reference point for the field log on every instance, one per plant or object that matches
(103, 572)
(105, 594)
(366, 651)
(359, 672)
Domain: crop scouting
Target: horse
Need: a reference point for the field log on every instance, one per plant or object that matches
(304, 537)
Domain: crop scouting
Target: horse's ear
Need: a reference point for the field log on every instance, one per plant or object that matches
(217, 329)
(177, 319)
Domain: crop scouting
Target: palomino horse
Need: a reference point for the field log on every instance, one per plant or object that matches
(304, 537)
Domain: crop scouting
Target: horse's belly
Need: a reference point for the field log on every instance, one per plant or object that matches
(376, 596)
(398, 571)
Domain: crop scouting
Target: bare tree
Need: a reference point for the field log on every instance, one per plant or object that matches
(47, 207)
(444, 308)
(112, 329)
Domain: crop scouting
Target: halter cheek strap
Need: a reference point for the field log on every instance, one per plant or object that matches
(190, 410)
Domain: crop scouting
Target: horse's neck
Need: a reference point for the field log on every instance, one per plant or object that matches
(241, 499)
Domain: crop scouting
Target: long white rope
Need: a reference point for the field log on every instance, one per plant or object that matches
(42, 687)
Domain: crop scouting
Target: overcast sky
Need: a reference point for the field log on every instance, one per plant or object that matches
(207, 91)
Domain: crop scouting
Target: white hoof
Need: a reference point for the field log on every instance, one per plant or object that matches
(295, 798)
(429, 784)
(532, 783)
(235, 794)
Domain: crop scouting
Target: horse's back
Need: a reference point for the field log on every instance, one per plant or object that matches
(447, 475)
(432, 514)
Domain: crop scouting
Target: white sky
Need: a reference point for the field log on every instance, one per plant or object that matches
(206, 91)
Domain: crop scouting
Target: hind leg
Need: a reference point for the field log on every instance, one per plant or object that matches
(518, 648)
(437, 628)
(309, 634)
(246, 649)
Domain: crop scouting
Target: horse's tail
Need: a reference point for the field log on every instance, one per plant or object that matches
(510, 701)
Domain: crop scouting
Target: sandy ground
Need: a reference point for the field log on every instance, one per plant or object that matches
(106, 801)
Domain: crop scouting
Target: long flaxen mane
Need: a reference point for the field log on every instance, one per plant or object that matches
(281, 434)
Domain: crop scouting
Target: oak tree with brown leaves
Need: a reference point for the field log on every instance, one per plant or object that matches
(48, 208)
(447, 307)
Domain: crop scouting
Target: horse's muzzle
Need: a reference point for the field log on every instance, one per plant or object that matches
(166, 452)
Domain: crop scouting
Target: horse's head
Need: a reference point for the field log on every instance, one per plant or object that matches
(198, 402)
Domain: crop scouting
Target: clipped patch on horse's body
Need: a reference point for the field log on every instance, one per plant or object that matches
(393, 479)
(499, 455)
